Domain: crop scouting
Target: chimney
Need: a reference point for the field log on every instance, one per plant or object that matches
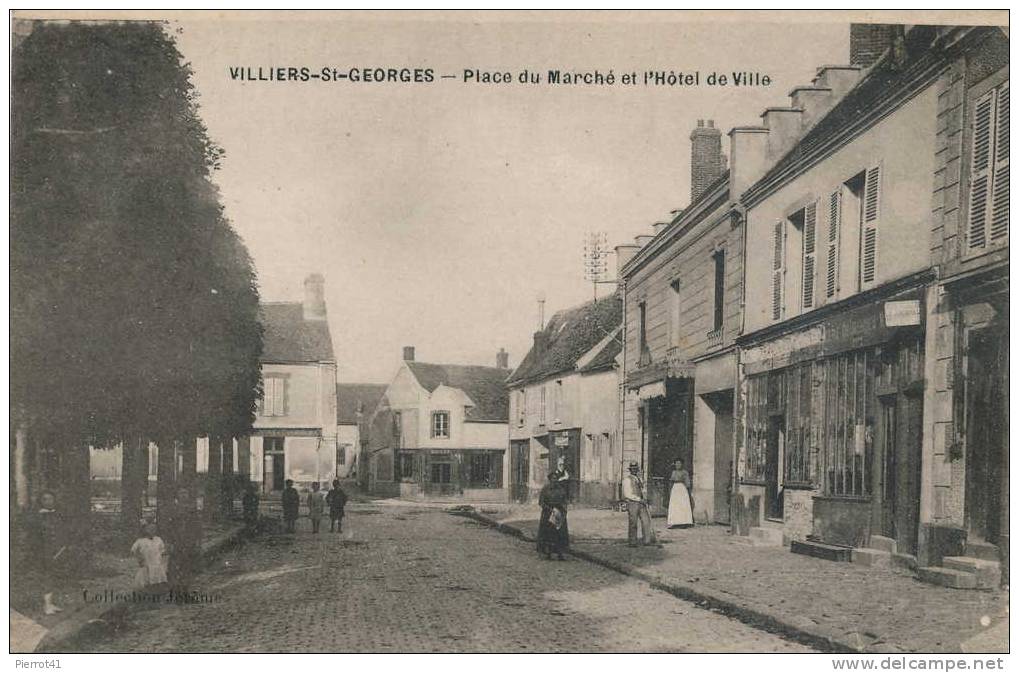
(408, 354)
(705, 157)
(749, 147)
(659, 227)
(502, 359)
(540, 342)
(813, 100)
(783, 124)
(868, 41)
(624, 253)
(642, 240)
(314, 297)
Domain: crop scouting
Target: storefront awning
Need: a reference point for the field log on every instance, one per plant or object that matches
(646, 392)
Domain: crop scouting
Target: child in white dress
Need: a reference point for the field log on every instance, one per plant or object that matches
(151, 554)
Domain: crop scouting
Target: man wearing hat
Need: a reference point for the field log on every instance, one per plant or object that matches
(636, 507)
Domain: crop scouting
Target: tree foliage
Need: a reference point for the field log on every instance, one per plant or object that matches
(134, 304)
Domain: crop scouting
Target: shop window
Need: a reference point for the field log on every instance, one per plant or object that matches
(484, 469)
(780, 399)
(440, 424)
(848, 425)
(757, 427)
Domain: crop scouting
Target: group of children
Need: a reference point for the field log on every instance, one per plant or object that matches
(317, 502)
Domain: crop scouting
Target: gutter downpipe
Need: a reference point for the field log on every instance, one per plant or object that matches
(740, 438)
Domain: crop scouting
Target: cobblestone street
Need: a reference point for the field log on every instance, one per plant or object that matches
(417, 580)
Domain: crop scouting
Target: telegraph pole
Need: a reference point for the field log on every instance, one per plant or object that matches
(596, 254)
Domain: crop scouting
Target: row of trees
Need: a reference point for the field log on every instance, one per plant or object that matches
(134, 304)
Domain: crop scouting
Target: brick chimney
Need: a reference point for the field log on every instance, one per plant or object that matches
(408, 354)
(314, 297)
(705, 157)
(502, 359)
(540, 342)
(867, 41)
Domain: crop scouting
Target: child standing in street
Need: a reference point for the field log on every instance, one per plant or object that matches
(316, 506)
(151, 554)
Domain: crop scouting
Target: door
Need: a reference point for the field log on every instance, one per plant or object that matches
(986, 423)
(773, 494)
(721, 405)
(566, 443)
(670, 438)
(274, 475)
(520, 469)
(900, 435)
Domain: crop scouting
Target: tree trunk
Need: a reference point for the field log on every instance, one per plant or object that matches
(189, 466)
(227, 483)
(21, 468)
(75, 501)
(211, 504)
(244, 457)
(166, 460)
(131, 482)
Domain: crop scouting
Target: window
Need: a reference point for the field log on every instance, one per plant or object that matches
(341, 453)
(869, 221)
(801, 236)
(442, 473)
(557, 400)
(676, 311)
(778, 270)
(440, 424)
(831, 278)
(484, 469)
(988, 185)
(779, 411)
(521, 406)
(719, 312)
(406, 466)
(541, 407)
(847, 429)
(645, 350)
(274, 395)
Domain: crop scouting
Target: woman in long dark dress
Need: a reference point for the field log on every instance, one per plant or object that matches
(553, 531)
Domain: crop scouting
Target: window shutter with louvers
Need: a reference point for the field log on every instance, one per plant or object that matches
(981, 167)
(999, 194)
(778, 270)
(871, 215)
(834, 227)
(809, 254)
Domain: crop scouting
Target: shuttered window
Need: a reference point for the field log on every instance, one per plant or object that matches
(831, 284)
(809, 254)
(778, 270)
(988, 190)
(871, 216)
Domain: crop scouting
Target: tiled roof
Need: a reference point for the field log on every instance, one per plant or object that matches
(352, 397)
(486, 386)
(569, 335)
(607, 356)
(290, 338)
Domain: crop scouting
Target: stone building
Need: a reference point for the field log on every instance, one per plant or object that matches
(564, 401)
(354, 404)
(439, 432)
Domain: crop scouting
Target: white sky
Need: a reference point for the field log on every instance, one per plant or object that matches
(438, 213)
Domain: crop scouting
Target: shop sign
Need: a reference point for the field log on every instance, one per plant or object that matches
(562, 439)
(902, 313)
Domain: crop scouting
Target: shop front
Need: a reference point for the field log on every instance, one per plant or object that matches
(833, 427)
(471, 474)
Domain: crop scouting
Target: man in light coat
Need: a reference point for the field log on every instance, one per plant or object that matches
(636, 508)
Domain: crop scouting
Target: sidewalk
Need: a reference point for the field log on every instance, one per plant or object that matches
(833, 606)
(32, 631)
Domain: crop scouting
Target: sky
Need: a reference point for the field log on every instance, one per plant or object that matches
(439, 213)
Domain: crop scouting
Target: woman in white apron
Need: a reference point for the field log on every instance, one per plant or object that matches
(680, 502)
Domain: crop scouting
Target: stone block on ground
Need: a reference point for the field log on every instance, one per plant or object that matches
(988, 573)
(882, 543)
(828, 552)
(872, 558)
(946, 577)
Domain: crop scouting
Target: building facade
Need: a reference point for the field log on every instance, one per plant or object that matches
(294, 435)
(848, 337)
(564, 401)
(439, 432)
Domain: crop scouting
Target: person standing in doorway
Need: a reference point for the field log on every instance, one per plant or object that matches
(680, 500)
(316, 506)
(636, 508)
(291, 506)
(337, 500)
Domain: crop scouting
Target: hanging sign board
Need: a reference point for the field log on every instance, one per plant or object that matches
(902, 313)
(562, 439)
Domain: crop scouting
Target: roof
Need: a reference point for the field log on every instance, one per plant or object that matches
(486, 386)
(569, 335)
(606, 357)
(290, 338)
(885, 80)
(354, 397)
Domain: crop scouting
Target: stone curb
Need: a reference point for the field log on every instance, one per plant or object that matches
(705, 598)
(63, 638)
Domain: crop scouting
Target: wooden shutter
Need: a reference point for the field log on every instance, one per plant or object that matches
(284, 384)
(981, 167)
(778, 270)
(999, 194)
(834, 232)
(871, 215)
(809, 254)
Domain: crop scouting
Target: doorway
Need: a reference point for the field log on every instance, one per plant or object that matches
(774, 495)
(900, 428)
(275, 473)
(669, 428)
(986, 432)
(721, 405)
(566, 443)
(520, 470)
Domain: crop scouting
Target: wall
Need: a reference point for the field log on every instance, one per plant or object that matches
(350, 436)
(904, 226)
